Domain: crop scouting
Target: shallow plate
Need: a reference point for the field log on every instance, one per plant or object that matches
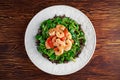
(44, 64)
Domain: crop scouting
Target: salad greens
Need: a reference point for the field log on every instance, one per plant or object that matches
(77, 35)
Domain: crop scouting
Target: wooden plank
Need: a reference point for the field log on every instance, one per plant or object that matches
(16, 14)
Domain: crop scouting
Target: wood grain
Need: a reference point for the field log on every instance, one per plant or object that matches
(14, 17)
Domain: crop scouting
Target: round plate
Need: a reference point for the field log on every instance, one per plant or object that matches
(67, 68)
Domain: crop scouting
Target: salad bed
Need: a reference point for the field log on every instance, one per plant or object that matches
(77, 35)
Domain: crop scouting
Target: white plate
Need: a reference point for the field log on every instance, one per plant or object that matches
(44, 64)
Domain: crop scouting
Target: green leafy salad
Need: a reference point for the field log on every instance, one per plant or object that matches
(60, 39)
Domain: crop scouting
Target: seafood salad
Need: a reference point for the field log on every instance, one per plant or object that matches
(60, 39)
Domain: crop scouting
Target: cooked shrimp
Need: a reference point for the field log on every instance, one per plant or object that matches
(61, 27)
(54, 41)
(60, 43)
(58, 51)
(68, 45)
(46, 45)
(72, 41)
(60, 34)
(52, 32)
(69, 36)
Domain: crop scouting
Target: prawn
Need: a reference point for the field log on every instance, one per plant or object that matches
(46, 45)
(69, 35)
(58, 51)
(52, 32)
(54, 41)
(60, 34)
(68, 45)
(61, 27)
(72, 41)
(59, 43)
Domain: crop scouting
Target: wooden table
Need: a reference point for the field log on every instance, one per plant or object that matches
(16, 14)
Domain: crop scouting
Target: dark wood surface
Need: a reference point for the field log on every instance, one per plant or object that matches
(16, 14)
